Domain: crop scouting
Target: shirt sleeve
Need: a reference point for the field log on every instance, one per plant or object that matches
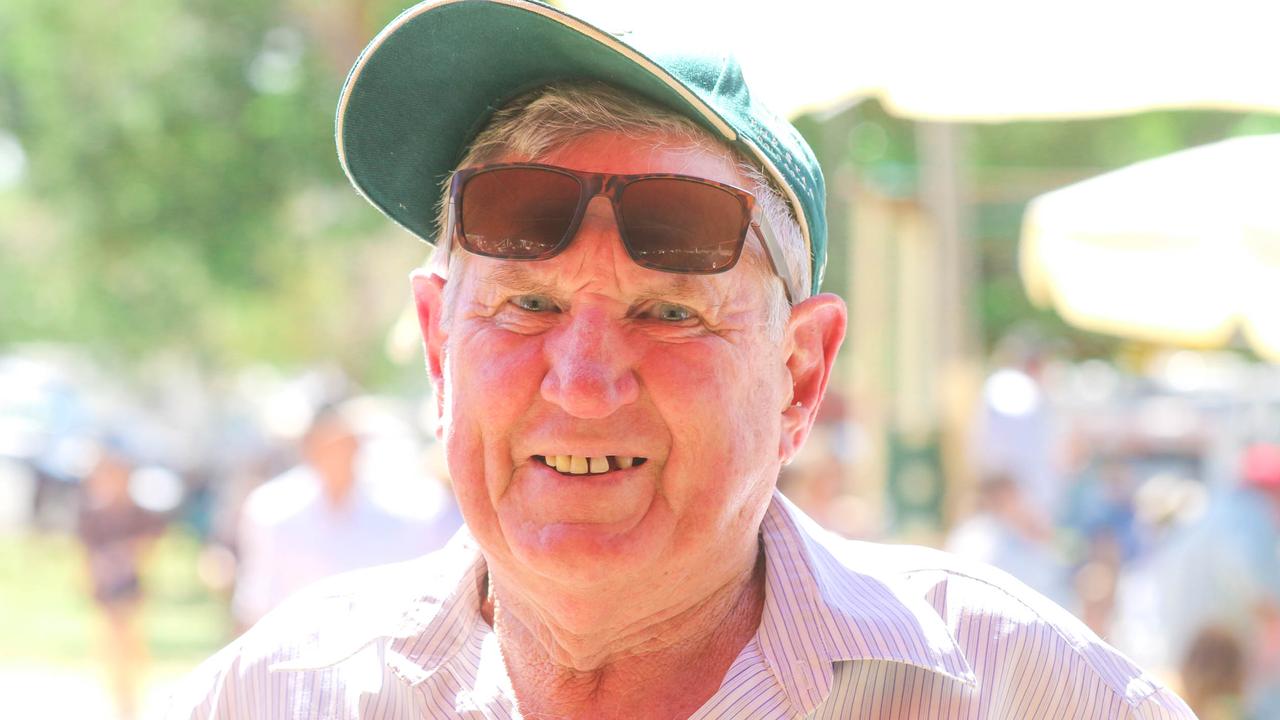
(214, 690)
(1163, 704)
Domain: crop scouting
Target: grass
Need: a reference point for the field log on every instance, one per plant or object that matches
(48, 618)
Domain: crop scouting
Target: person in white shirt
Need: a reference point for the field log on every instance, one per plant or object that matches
(320, 518)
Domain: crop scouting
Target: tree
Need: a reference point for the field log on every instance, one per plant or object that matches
(182, 189)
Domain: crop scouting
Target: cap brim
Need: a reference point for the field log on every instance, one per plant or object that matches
(431, 79)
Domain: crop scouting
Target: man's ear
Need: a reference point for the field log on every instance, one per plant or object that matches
(814, 334)
(428, 299)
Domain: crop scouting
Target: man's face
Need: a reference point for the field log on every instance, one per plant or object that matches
(588, 354)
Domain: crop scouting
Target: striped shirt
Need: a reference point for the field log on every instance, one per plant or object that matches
(849, 630)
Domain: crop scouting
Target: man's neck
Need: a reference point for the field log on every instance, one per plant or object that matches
(662, 665)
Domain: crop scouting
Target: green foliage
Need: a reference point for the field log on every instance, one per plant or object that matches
(1108, 142)
(181, 170)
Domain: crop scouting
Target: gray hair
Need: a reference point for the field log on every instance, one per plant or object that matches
(546, 119)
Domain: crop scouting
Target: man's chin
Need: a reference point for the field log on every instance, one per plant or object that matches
(586, 553)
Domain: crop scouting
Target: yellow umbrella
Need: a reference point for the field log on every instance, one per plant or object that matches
(1183, 249)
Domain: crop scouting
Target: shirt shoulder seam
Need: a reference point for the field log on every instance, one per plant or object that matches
(1152, 687)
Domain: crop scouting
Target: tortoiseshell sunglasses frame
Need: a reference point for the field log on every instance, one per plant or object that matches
(611, 186)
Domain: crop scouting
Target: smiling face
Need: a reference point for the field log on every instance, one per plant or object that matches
(592, 360)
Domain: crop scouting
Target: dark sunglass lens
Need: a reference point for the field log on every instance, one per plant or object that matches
(517, 213)
(681, 225)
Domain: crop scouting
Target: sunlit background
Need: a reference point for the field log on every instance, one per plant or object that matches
(1062, 337)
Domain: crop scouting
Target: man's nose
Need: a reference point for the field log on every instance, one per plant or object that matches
(590, 371)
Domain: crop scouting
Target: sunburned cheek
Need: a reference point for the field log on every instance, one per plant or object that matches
(721, 405)
(688, 364)
(497, 363)
(493, 383)
(731, 381)
(492, 380)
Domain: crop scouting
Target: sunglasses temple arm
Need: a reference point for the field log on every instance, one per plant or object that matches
(444, 243)
(773, 250)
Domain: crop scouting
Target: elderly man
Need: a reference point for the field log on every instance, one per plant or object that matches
(625, 341)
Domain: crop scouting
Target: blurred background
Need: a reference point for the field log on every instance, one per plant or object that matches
(1056, 225)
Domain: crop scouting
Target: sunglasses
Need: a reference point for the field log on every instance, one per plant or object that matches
(672, 223)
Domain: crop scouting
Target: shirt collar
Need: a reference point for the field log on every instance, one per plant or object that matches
(822, 606)
(826, 602)
(444, 612)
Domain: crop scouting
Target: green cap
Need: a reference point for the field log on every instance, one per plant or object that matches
(427, 84)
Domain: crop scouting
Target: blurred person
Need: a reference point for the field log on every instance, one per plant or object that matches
(1099, 514)
(1213, 673)
(1218, 568)
(1006, 532)
(116, 533)
(626, 341)
(1100, 505)
(1015, 432)
(1259, 528)
(322, 517)
(1095, 581)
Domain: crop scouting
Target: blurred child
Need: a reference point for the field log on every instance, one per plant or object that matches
(115, 533)
(1213, 675)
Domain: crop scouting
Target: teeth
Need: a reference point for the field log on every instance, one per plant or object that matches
(582, 465)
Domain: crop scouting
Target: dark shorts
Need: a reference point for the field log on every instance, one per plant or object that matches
(124, 590)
